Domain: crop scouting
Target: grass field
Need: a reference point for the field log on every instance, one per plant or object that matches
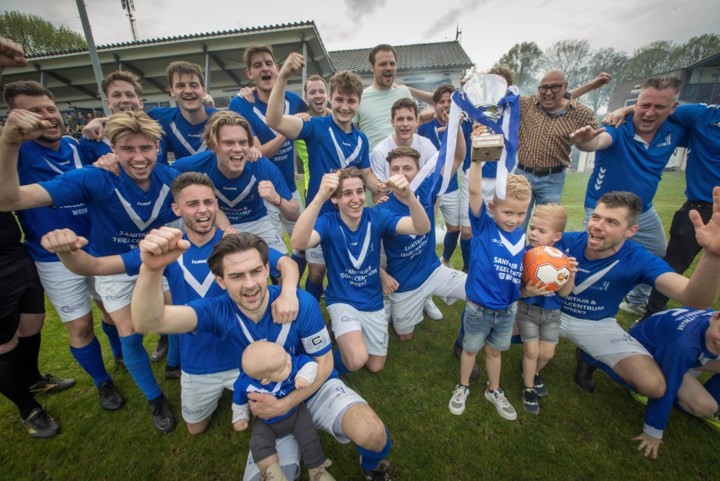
(577, 436)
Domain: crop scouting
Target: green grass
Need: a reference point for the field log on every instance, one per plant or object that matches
(576, 436)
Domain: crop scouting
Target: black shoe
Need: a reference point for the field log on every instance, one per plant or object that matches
(162, 416)
(160, 350)
(172, 372)
(381, 473)
(530, 401)
(110, 397)
(51, 384)
(475, 373)
(584, 372)
(539, 386)
(39, 424)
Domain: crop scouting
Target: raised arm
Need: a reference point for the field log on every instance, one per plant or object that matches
(288, 125)
(286, 306)
(289, 208)
(475, 183)
(421, 95)
(589, 139)
(417, 223)
(603, 78)
(159, 248)
(68, 247)
(701, 290)
(304, 235)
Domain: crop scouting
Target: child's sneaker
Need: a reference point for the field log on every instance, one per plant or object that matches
(457, 401)
(502, 405)
(712, 421)
(539, 386)
(530, 401)
(638, 397)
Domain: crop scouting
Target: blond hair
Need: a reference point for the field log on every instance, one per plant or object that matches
(211, 134)
(122, 76)
(128, 123)
(518, 187)
(552, 212)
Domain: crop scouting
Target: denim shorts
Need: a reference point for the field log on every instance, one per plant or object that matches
(534, 322)
(487, 325)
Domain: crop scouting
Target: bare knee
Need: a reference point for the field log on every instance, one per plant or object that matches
(316, 273)
(547, 351)
(652, 386)
(491, 352)
(81, 331)
(375, 363)
(198, 428)
(405, 337)
(354, 361)
(531, 350)
(364, 427)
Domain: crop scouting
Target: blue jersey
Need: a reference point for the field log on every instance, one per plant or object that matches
(601, 284)
(37, 163)
(190, 278)
(121, 212)
(676, 340)
(411, 259)
(245, 384)
(91, 150)
(255, 113)
(703, 164)
(353, 257)
(238, 198)
(183, 138)
(630, 164)
(495, 263)
(430, 130)
(329, 148)
(222, 318)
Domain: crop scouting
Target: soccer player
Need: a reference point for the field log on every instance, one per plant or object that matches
(243, 187)
(241, 316)
(183, 125)
(121, 209)
(316, 99)
(350, 238)
(332, 142)
(34, 150)
(208, 366)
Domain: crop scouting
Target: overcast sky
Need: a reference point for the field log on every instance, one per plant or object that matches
(489, 27)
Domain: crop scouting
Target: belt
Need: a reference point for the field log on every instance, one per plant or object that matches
(541, 172)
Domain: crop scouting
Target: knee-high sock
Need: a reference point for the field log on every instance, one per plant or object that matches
(112, 334)
(173, 354)
(299, 257)
(450, 243)
(138, 365)
(90, 358)
(465, 249)
(314, 288)
(13, 386)
(369, 460)
(713, 387)
(28, 351)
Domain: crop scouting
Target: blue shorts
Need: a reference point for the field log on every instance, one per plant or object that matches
(487, 325)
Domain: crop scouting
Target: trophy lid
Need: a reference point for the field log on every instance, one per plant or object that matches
(484, 89)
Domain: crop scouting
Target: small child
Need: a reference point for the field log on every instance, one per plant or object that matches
(538, 316)
(268, 368)
(493, 284)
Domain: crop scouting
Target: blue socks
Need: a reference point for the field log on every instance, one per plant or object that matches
(465, 248)
(369, 460)
(137, 362)
(90, 358)
(313, 288)
(299, 258)
(713, 387)
(173, 354)
(112, 334)
(449, 244)
(339, 364)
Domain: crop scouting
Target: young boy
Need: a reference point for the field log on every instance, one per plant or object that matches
(268, 368)
(538, 317)
(493, 285)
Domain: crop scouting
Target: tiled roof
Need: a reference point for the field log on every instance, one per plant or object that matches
(417, 56)
(181, 37)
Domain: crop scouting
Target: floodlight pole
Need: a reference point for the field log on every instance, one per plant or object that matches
(94, 59)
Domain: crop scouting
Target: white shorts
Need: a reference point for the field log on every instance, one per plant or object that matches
(407, 307)
(450, 208)
(373, 325)
(604, 340)
(289, 455)
(267, 230)
(314, 255)
(280, 222)
(68, 292)
(116, 291)
(200, 393)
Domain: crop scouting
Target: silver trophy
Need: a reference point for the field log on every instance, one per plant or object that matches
(485, 91)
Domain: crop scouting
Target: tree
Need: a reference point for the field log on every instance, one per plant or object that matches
(38, 36)
(604, 60)
(696, 49)
(653, 58)
(570, 56)
(524, 59)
